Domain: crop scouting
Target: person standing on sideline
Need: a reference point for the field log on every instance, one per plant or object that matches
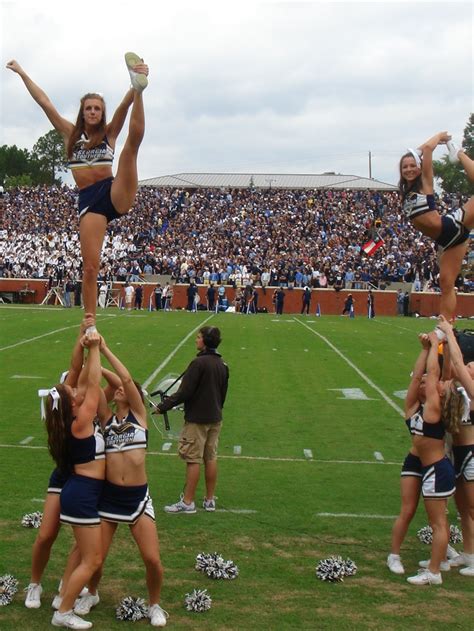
(158, 296)
(139, 298)
(400, 302)
(306, 300)
(279, 300)
(129, 293)
(211, 297)
(203, 391)
(370, 305)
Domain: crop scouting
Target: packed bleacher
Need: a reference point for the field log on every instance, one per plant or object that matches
(290, 237)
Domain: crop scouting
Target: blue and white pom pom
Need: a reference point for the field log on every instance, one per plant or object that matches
(131, 609)
(350, 568)
(455, 535)
(332, 569)
(216, 567)
(198, 601)
(425, 535)
(32, 520)
(8, 588)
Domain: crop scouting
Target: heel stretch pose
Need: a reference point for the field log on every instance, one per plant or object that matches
(90, 144)
(450, 231)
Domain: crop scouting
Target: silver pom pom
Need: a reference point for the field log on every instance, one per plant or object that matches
(455, 535)
(216, 567)
(8, 588)
(332, 569)
(350, 568)
(32, 520)
(131, 609)
(198, 601)
(425, 535)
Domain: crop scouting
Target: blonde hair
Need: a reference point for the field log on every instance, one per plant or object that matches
(453, 408)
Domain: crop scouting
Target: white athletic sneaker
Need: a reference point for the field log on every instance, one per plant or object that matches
(467, 571)
(181, 507)
(57, 600)
(394, 564)
(444, 566)
(209, 505)
(425, 577)
(457, 561)
(85, 603)
(33, 596)
(157, 616)
(139, 81)
(453, 151)
(451, 553)
(69, 620)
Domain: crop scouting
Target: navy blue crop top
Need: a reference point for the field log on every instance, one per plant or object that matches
(418, 427)
(82, 450)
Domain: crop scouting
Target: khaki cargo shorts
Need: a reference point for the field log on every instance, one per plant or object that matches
(198, 442)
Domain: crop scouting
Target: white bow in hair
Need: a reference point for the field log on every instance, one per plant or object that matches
(415, 153)
(55, 396)
(466, 403)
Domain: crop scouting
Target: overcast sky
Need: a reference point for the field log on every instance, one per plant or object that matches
(254, 87)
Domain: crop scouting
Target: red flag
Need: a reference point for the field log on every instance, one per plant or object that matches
(373, 245)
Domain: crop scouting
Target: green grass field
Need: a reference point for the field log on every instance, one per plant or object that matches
(289, 391)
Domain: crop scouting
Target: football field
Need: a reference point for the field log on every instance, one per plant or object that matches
(309, 463)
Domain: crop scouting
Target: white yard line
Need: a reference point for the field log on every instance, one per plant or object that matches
(39, 337)
(174, 351)
(26, 440)
(354, 367)
(257, 458)
(356, 515)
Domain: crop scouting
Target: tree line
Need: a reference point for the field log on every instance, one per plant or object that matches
(20, 167)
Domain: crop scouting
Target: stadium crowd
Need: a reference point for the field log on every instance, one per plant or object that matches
(269, 237)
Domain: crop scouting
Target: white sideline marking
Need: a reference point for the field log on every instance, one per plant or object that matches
(224, 457)
(356, 515)
(242, 511)
(38, 499)
(308, 454)
(26, 440)
(378, 456)
(355, 394)
(173, 352)
(25, 377)
(237, 450)
(400, 394)
(354, 367)
(166, 446)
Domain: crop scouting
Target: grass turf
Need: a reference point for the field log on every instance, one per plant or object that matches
(285, 396)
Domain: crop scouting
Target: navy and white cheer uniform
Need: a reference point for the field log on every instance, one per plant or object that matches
(96, 197)
(80, 494)
(464, 456)
(453, 230)
(412, 466)
(438, 481)
(57, 480)
(125, 504)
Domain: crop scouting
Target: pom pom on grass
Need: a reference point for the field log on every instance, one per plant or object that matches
(8, 588)
(350, 568)
(32, 520)
(332, 569)
(455, 535)
(425, 535)
(216, 567)
(131, 609)
(198, 601)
